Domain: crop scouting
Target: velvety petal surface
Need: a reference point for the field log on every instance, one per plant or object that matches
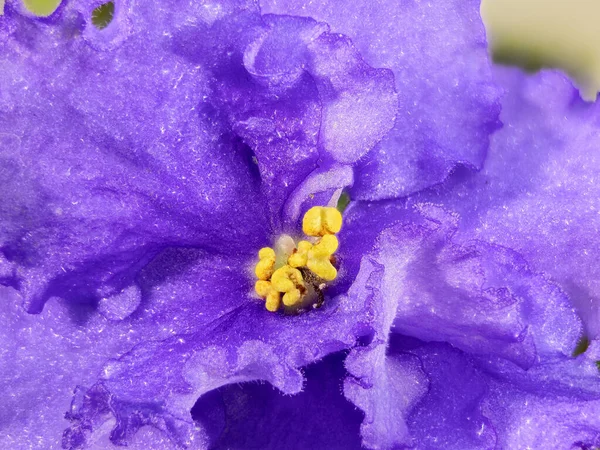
(447, 101)
(444, 286)
(43, 358)
(138, 188)
(543, 421)
(538, 193)
(252, 415)
(358, 102)
(204, 331)
(300, 96)
(421, 281)
(384, 389)
(449, 415)
(555, 405)
(109, 155)
(196, 329)
(466, 406)
(144, 165)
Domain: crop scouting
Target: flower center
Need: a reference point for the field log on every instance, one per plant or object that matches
(296, 273)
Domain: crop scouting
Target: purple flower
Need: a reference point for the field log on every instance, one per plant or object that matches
(146, 163)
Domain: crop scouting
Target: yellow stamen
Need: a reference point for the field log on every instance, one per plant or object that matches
(328, 244)
(320, 221)
(264, 267)
(319, 257)
(272, 302)
(300, 257)
(286, 279)
(280, 281)
(292, 298)
(265, 290)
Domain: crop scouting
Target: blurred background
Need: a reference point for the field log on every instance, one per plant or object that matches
(532, 34)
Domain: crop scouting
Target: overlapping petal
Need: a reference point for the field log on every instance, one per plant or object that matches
(456, 392)
(43, 358)
(538, 193)
(466, 406)
(309, 103)
(448, 101)
(109, 157)
(114, 154)
(143, 165)
(421, 281)
(139, 188)
(254, 415)
(210, 333)
(561, 397)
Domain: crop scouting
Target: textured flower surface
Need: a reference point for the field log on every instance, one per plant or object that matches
(145, 163)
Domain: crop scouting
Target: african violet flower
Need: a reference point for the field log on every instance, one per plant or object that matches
(145, 165)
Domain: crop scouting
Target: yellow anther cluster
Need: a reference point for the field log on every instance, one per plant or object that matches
(300, 257)
(266, 264)
(265, 290)
(316, 257)
(319, 257)
(287, 281)
(319, 221)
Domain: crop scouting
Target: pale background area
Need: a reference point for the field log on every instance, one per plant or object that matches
(529, 33)
(547, 33)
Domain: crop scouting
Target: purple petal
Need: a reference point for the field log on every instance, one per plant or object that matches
(205, 331)
(545, 421)
(547, 208)
(386, 390)
(105, 161)
(450, 415)
(448, 103)
(44, 357)
(555, 405)
(277, 113)
(358, 102)
(467, 407)
(421, 281)
(481, 298)
(254, 415)
(310, 95)
(140, 153)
